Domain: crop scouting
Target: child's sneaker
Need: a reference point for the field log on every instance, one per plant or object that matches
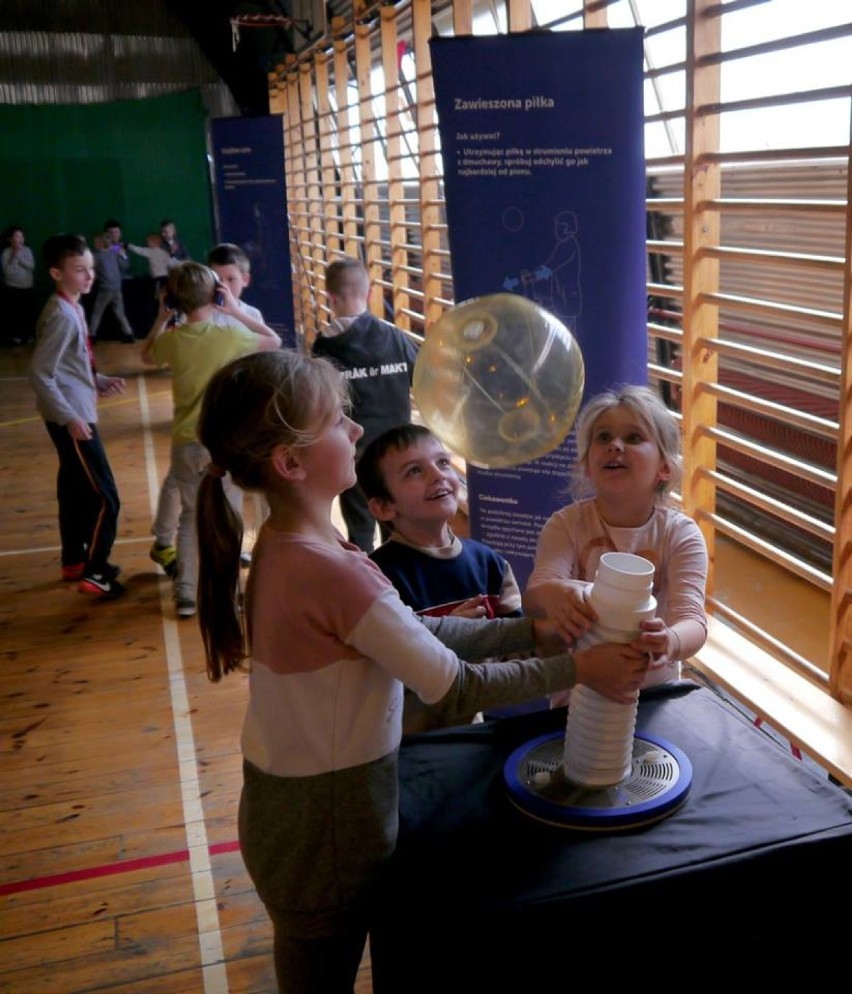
(165, 556)
(101, 585)
(184, 607)
(77, 571)
(73, 573)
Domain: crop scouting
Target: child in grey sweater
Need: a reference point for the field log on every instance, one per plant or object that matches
(66, 384)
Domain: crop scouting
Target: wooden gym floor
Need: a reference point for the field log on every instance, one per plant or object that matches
(119, 866)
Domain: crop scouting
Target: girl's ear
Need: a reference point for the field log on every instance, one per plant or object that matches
(664, 474)
(286, 462)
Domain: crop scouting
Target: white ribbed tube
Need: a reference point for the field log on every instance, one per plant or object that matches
(599, 732)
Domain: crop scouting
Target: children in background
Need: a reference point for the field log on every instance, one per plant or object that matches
(410, 484)
(18, 267)
(112, 230)
(194, 351)
(66, 383)
(378, 361)
(159, 260)
(171, 243)
(233, 269)
(629, 455)
(111, 262)
(330, 646)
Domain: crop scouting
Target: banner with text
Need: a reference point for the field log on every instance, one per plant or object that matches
(251, 211)
(544, 172)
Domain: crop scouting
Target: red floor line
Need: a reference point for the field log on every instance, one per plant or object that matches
(109, 869)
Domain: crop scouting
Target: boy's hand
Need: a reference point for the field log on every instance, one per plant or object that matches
(616, 671)
(164, 313)
(472, 608)
(111, 386)
(79, 430)
(229, 303)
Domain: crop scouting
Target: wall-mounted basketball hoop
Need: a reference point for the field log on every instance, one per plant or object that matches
(267, 21)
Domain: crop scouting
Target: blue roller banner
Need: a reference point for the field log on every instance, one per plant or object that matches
(544, 171)
(251, 211)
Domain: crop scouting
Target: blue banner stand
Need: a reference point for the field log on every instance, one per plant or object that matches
(544, 171)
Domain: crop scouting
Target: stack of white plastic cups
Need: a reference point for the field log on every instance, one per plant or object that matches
(599, 732)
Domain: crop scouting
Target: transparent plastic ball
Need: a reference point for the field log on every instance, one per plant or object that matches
(499, 380)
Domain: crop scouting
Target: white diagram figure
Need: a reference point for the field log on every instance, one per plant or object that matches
(555, 284)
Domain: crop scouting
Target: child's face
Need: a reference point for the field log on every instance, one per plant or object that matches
(168, 231)
(328, 464)
(74, 275)
(114, 235)
(623, 457)
(154, 241)
(422, 482)
(233, 277)
(352, 298)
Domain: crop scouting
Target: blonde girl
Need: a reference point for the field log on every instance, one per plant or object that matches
(328, 645)
(628, 445)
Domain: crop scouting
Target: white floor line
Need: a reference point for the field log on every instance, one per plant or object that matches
(37, 550)
(206, 913)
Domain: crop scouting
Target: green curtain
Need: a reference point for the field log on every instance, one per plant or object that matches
(70, 167)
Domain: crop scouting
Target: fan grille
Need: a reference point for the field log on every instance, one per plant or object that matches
(658, 783)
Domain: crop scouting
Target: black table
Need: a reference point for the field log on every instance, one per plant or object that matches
(482, 897)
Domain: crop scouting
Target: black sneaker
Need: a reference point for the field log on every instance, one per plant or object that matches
(101, 585)
(184, 607)
(77, 571)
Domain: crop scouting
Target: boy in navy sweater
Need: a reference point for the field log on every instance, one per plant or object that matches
(412, 488)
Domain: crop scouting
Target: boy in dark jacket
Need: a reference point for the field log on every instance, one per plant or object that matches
(377, 360)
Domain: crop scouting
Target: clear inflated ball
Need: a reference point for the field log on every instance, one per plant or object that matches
(499, 380)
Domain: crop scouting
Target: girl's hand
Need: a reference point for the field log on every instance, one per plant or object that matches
(472, 608)
(616, 671)
(572, 613)
(657, 640)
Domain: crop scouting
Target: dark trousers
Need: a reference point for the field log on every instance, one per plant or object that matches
(19, 315)
(87, 497)
(360, 523)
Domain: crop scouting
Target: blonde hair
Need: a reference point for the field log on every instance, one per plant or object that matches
(649, 408)
(250, 407)
(191, 285)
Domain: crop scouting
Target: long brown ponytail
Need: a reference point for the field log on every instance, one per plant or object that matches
(251, 406)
